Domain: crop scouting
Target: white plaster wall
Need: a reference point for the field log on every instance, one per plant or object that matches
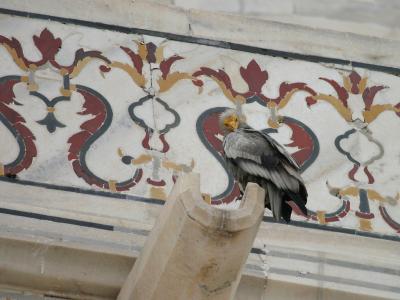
(124, 136)
(52, 171)
(224, 27)
(372, 18)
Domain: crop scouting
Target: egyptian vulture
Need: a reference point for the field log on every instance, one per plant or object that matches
(252, 156)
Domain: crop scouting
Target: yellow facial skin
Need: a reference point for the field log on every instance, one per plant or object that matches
(231, 122)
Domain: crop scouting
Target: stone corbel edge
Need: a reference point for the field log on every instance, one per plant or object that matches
(249, 212)
(171, 264)
(187, 189)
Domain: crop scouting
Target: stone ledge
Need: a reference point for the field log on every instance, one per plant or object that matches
(223, 27)
(67, 260)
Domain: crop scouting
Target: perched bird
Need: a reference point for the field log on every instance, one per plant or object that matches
(252, 156)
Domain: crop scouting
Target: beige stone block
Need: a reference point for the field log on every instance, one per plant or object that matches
(279, 290)
(195, 251)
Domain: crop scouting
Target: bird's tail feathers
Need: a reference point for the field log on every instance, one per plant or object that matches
(275, 200)
(300, 202)
(286, 211)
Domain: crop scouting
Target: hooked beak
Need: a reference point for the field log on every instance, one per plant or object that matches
(231, 123)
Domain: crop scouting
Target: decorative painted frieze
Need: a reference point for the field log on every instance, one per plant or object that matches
(103, 110)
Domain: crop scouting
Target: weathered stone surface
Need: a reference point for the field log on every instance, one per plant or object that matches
(195, 251)
(69, 260)
(247, 30)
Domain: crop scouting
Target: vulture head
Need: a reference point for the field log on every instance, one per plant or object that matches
(230, 120)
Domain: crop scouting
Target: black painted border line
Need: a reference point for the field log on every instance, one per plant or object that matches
(337, 229)
(333, 262)
(25, 214)
(161, 202)
(101, 226)
(82, 190)
(204, 41)
(336, 279)
(258, 251)
(20, 233)
(187, 39)
(31, 215)
(213, 43)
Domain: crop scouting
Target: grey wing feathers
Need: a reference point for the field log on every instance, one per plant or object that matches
(248, 147)
(293, 172)
(237, 144)
(281, 179)
(281, 150)
(252, 156)
(275, 200)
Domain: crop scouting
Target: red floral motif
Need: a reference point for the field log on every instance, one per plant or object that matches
(146, 142)
(356, 85)
(388, 219)
(151, 52)
(136, 59)
(16, 46)
(371, 178)
(353, 172)
(255, 78)
(166, 64)
(310, 101)
(104, 69)
(302, 140)
(219, 76)
(341, 91)
(80, 142)
(80, 55)
(6, 91)
(17, 123)
(286, 89)
(369, 95)
(153, 55)
(331, 217)
(355, 80)
(397, 107)
(48, 47)
(47, 44)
